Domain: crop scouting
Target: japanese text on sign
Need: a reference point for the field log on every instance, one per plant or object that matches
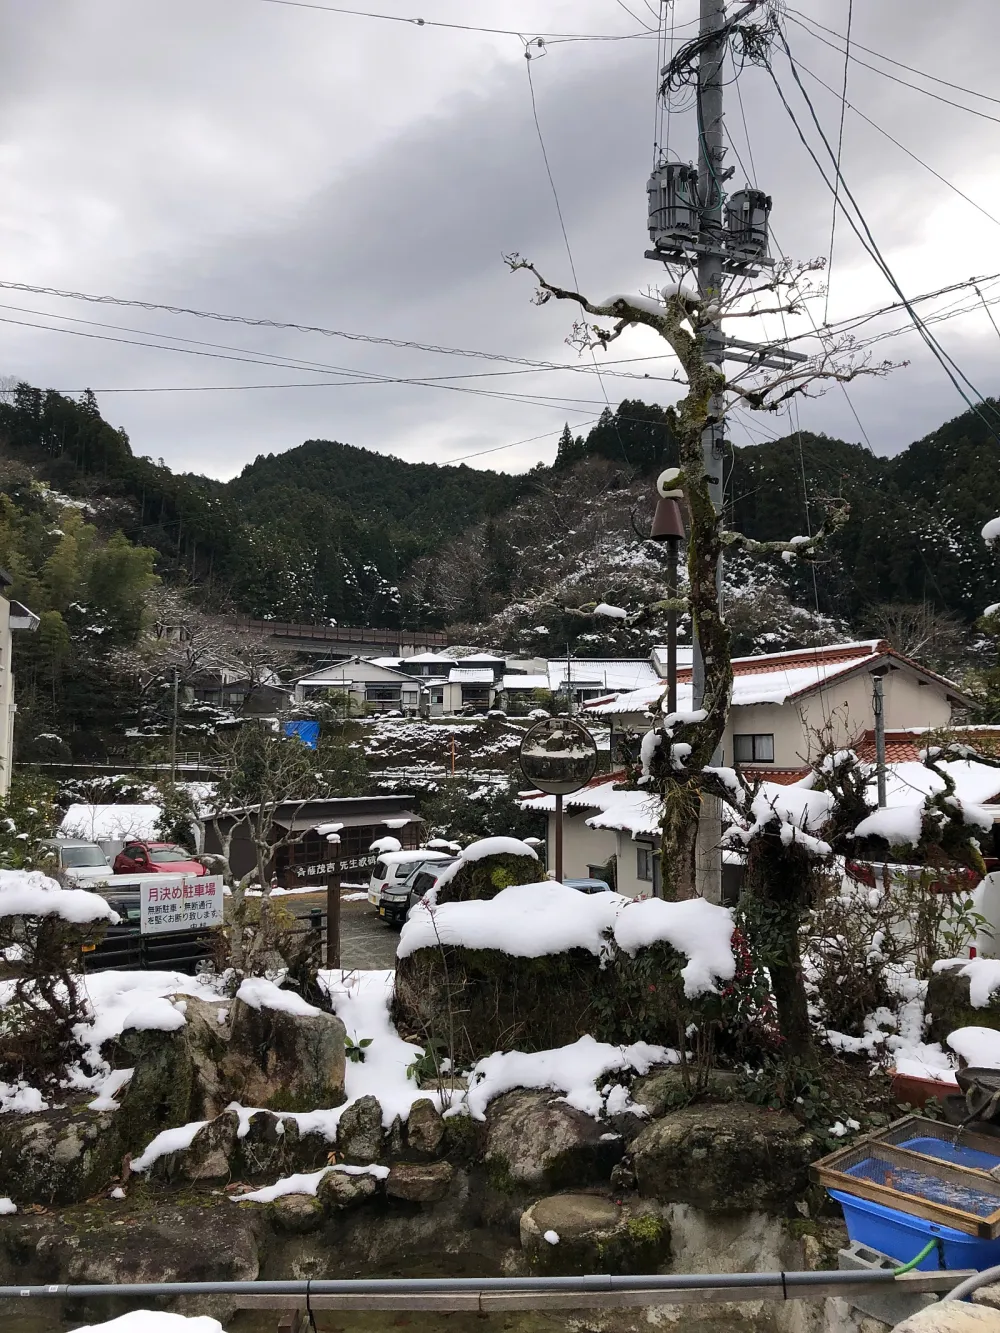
(184, 904)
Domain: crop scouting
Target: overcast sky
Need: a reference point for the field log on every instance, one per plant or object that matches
(279, 162)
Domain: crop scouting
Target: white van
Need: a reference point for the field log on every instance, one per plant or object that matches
(394, 867)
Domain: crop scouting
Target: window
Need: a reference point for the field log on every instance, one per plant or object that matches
(382, 693)
(647, 866)
(754, 749)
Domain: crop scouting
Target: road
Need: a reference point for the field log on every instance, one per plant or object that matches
(365, 941)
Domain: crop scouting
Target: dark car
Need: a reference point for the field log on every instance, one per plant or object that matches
(395, 907)
(125, 947)
(588, 885)
(156, 858)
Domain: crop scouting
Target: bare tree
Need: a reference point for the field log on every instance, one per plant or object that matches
(261, 770)
(919, 630)
(683, 745)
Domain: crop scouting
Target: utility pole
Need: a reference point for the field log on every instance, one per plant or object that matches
(173, 732)
(878, 707)
(708, 852)
(693, 226)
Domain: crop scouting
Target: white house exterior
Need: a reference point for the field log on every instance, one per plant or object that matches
(374, 688)
(785, 706)
(13, 616)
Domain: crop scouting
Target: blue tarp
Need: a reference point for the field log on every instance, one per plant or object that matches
(307, 732)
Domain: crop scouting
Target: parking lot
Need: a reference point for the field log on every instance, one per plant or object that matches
(365, 941)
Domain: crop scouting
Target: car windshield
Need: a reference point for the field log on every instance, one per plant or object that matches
(82, 856)
(164, 856)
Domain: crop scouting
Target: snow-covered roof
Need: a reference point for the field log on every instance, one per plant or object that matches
(771, 678)
(513, 681)
(353, 669)
(110, 823)
(391, 662)
(431, 657)
(610, 673)
(633, 811)
(470, 676)
(480, 657)
(638, 812)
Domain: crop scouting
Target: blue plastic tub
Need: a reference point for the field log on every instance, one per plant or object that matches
(902, 1236)
(948, 1152)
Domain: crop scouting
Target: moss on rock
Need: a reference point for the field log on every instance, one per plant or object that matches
(569, 1234)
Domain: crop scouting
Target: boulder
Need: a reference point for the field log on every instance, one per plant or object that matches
(952, 1317)
(210, 1153)
(533, 1140)
(424, 1129)
(274, 1147)
(339, 1190)
(296, 1213)
(359, 1134)
(725, 1159)
(949, 1005)
(567, 1234)
(60, 1156)
(664, 1090)
(193, 1243)
(177, 1076)
(419, 1182)
(284, 1061)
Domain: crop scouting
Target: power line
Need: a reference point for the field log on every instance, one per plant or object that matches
(902, 147)
(868, 241)
(641, 22)
(458, 27)
(565, 236)
(255, 322)
(880, 55)
(542, 400)
(840, 149)
(983, 115)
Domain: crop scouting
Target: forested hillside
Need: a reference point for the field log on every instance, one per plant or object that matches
(328, 531)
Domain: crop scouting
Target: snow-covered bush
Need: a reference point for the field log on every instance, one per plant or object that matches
(539, 965)
(42, 930)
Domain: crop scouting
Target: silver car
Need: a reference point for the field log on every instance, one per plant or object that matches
(82, 862)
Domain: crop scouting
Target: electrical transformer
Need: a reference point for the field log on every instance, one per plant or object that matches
(673, 205)
(747, 213)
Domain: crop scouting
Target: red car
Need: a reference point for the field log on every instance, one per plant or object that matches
(156, 858)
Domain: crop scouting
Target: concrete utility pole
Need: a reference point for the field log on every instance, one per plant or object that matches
(708, 854)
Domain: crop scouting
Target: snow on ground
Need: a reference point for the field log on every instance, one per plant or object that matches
(156, 1321)
(7, 1207)
(305, 1182)
(572, 1070)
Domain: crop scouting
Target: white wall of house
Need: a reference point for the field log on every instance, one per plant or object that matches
(585, 848)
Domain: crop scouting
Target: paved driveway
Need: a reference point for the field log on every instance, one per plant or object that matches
(365, 941)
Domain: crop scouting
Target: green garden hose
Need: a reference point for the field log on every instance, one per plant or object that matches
(906, 1268)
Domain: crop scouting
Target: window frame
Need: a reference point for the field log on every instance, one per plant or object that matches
(758, 741)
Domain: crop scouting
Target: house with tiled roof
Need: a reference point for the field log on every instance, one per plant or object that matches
(786, 707)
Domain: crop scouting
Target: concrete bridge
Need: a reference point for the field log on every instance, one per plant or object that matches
(333, 641)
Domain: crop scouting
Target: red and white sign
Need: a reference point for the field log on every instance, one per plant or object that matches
(185, 903)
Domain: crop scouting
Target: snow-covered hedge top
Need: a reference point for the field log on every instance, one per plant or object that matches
(476, 851)
(389, 844)
(991, 532)
(30, 893)
(259, 993)
(695, 927)
(533, 920)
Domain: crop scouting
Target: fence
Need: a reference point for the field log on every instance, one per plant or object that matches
(125, 948)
